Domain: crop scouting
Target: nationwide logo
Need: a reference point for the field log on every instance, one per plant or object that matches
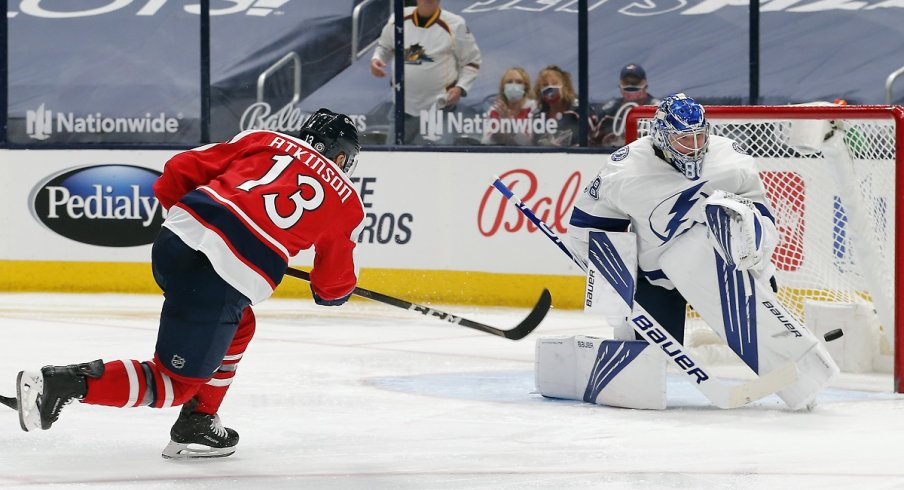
(38, 123)
(110, 205)
(435, 122)
(42, 123)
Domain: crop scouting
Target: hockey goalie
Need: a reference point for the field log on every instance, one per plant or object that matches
(685, 215)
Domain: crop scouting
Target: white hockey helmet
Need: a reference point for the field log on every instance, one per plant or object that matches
(681, 131)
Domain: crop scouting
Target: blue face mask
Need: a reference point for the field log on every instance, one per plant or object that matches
(513, 92)
(552, 94)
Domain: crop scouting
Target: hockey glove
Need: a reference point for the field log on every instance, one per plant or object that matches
(739, 234)
(329, 302)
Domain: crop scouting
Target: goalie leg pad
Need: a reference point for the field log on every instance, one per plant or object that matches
(614, 373)
(611, 278)
(746, 314)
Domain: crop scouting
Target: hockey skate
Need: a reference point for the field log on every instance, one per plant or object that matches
(199, 435)
(41, 395)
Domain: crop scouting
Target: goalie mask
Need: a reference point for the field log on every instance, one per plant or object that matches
(334, 136)
(681, 131)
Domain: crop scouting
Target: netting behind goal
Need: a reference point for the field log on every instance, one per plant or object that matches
(830, 174)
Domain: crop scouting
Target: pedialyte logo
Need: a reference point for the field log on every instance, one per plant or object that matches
(111, 205)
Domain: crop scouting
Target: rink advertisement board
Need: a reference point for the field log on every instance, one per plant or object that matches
(434, 227)
(424, 211)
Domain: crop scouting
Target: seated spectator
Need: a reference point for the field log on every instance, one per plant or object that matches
(558, 101)
(608, 121)
(514, 102)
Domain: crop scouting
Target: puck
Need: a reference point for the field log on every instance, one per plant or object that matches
(833, 334)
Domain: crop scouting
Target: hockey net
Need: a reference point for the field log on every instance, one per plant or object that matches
(830, 173)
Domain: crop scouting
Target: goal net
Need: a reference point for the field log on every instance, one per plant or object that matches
(830, 173)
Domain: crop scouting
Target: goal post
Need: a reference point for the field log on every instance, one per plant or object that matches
(831, 175)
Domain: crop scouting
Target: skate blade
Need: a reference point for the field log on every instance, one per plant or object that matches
(178, 450)
(29, 386)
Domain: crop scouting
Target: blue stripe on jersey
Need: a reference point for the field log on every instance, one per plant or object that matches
(738, 312)
(245, 244)
(581, 219)
(612, 357)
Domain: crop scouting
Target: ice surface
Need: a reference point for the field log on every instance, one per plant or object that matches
(373, 397)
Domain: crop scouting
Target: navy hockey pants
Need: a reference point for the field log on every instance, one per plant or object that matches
(201, 312)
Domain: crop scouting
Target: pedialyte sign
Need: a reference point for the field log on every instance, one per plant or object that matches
(110, 205)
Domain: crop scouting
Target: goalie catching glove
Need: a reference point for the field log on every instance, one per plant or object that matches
(738, 232)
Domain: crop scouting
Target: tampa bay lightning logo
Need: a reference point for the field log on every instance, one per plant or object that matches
(620, 154)
(672, 216)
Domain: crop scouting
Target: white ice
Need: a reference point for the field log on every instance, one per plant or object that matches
(373, 397)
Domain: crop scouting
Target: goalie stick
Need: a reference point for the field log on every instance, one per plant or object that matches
(718, 392)
(518, 332)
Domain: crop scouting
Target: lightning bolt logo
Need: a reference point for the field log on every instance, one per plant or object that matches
(667, 225)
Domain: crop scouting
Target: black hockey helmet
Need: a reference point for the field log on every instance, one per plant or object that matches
(332, 135)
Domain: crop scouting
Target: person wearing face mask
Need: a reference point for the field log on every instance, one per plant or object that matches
(608, 121)
(507, 121)
(688, 211)
(558, 101)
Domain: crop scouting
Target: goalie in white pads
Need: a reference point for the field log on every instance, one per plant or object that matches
(704, 234)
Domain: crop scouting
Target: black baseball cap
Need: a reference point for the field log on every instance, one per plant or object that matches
(632, 70)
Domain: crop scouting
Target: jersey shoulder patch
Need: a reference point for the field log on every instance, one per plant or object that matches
(620, 154)
(594, 188)
(737, 147)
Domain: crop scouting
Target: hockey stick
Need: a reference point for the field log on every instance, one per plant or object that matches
(518, 332)
(9, 402)
(719, 393)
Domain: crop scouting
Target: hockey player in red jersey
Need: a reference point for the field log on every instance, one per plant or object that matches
(237, 211)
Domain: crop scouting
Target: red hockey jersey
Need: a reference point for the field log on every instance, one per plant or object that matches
(253, 202)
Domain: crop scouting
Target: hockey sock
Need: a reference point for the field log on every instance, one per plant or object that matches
(211, 394)
(129, 383)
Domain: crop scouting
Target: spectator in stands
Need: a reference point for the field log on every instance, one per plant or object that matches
(441, 61)
(608, 121)
(515, 102)
(558, 101)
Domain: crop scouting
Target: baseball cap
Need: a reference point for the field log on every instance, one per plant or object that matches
(632, 70)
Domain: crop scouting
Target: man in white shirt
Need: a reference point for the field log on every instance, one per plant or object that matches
(441, 60)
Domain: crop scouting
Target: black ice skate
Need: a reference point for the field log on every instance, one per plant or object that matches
(199, 435)
(40, 396)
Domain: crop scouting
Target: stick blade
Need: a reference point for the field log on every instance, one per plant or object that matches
(9, 402)
(533, 319)
(765, 385)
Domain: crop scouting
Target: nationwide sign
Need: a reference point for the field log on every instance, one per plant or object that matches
(42, 123)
